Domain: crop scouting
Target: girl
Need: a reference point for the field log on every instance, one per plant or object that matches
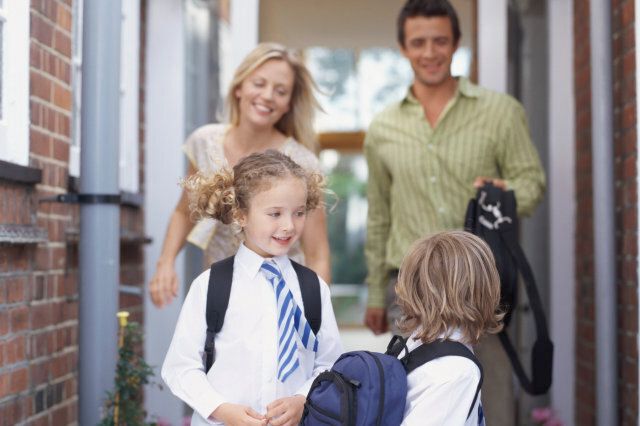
(251, 382)
(448, 288)
(271, 105)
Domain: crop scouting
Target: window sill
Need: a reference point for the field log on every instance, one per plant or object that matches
(20, 174)
(22, 234)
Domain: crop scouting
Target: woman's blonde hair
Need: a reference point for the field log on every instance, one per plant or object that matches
(449, 281)
(298, 121)
(226, 194)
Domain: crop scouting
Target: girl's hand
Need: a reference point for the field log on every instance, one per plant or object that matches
(235, 414)
(286, 411)
(163, 287)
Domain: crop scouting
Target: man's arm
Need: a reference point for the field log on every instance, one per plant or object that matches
(519, 162)
(378, 224)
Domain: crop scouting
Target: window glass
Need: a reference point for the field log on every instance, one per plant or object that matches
(347, 176)
(335, 74)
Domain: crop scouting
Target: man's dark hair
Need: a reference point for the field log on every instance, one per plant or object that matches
(428, 9)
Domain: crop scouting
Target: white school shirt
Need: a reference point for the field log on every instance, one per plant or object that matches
(246, 363)
(441, 391)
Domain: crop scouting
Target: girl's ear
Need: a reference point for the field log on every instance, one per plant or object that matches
(242, 218)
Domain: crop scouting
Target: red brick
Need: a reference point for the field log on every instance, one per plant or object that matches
(40, 86)
(4, 384)
(17, 289)
(40, 315)
(15, 350)
(41, 30)
(4, 322)
(19, 319)
(64, 18)
(18, 380)
(62, 97)
(62, 43)
(39, 373)
(61, 150)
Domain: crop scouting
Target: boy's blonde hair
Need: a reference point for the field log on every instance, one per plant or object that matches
(298, 121)
(449, 281)
(226, 194)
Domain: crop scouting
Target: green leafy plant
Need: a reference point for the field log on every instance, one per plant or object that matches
(124, 405)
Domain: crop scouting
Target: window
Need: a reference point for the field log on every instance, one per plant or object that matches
(14, 82)
(129, 94)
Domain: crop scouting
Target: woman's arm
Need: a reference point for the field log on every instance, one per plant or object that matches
(315, 244)
(163, 287)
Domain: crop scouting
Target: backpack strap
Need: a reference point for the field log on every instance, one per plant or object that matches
(437, 349)
(542, 351)
(220, 278)
(219, 290)
(310, 291)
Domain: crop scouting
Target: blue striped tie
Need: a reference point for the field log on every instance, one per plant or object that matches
(290, 320)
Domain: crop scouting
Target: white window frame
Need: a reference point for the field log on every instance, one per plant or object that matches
(130, 96)
(76, 83)
(14, 123)
(129, 99)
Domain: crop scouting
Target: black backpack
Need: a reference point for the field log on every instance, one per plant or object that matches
(220, 278)
(492, 216)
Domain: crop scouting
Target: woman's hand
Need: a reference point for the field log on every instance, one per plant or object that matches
(163, 287)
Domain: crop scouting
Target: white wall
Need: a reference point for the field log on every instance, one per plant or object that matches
(353, 24)
(492, 44)
(164, 166)
(562, 205)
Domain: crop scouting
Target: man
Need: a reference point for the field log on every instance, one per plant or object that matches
(428, 153)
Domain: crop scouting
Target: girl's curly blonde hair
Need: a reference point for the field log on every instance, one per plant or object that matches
(449, 281)
(226, 194)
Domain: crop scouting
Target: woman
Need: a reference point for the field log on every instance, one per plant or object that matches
(271, 105)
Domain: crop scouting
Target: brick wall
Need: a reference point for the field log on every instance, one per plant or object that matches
(624, 98)
(585, 354)
(625, 174)
(39, 341)
(38, 282)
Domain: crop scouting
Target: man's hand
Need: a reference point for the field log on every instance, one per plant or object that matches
(376, 320)
(286, 411)
(498, 183)
(235, 414)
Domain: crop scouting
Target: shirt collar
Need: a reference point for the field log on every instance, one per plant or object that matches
(465, 88)
(412, 342)
(252, 261)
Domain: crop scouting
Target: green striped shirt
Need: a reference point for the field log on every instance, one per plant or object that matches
(421, 178)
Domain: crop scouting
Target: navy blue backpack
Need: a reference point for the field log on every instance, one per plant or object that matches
(367, 388)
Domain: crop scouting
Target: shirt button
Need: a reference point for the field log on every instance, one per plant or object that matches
(441, 210)
(430, 146)
(432, 179)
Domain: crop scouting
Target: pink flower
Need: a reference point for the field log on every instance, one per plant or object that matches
(553, 421)
(162, 422)
(541, 414)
